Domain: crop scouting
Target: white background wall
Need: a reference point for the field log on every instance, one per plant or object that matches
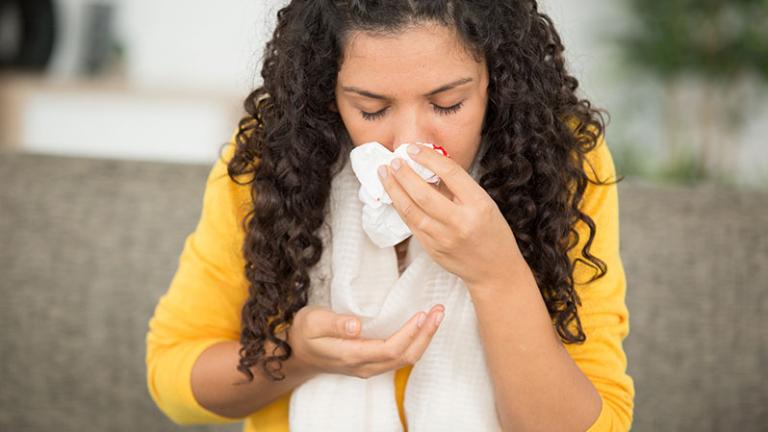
(203, 44)
(188, 66)
(177, 44)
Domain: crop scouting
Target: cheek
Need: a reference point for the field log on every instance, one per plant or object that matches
(359, 129)
(347, 117)
(461, 147)
(461, 139)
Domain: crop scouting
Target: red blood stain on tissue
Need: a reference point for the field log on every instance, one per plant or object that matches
(441, 150)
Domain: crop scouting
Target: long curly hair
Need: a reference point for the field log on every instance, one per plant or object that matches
(289, 143)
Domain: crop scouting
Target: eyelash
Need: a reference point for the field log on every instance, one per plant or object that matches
(438, 109)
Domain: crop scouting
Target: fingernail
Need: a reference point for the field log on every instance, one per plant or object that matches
(438, 318)
(422, 317)
(383, 172)
(351, 326)
(396, 164)
(413, 149)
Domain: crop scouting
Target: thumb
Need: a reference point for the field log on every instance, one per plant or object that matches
(324, 322)
(347, 326)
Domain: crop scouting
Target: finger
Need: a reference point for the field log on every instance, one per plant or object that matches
(324, 322)
(391, 352)
(370, 351)
(412, 214)
(403, 354)
(458, 181)
(414, 352)
(422, 193)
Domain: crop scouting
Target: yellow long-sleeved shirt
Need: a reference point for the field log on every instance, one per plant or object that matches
(202, 307)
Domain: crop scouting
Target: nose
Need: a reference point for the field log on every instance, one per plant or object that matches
(409, 128)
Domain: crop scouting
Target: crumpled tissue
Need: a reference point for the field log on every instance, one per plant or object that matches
(381, 221)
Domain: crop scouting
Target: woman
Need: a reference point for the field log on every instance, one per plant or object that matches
(534, 239)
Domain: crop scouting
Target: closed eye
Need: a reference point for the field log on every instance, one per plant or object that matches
(437, 108)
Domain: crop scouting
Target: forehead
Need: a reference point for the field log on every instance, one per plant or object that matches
(415, 55)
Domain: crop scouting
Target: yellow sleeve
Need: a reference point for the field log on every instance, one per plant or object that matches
(203, 302)
(603, 311)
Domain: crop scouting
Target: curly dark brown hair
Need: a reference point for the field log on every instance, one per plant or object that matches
(538, 133)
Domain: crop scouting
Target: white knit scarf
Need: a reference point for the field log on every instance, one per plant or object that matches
(449, 388)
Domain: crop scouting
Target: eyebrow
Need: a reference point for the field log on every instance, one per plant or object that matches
(440, 89)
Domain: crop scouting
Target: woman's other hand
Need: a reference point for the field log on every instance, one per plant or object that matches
(325, 342)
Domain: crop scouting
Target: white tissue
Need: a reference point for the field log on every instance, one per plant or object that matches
(381, 221)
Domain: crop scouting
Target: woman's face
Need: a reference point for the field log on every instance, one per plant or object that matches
(417, 86)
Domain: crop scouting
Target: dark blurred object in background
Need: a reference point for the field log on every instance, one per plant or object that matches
(27, 34)
(98, 43)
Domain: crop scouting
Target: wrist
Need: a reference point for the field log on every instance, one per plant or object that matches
(300, 363)
(511, 280)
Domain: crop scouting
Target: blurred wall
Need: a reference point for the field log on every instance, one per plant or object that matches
(175, 95)
(187, 65)
(208, 45)
(191, 44)
(589, 30)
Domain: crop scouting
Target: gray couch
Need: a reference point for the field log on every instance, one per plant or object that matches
(87, 246)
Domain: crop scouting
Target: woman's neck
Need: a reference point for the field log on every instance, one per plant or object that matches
(401, 250)
(402, 246)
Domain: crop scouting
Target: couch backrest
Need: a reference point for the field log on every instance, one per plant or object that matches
(696, 260)
(89, 245)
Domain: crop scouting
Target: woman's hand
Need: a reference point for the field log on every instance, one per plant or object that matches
(467, 235)
(322, 341)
